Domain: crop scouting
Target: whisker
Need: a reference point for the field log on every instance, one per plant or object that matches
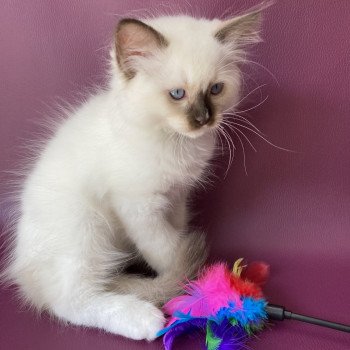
(229, 138)
(242, 119)
(246, 77)
(254, 107)
(242, 99)
(263, 138)
(219, 138)
(266, 69)
(224, 134)
(230, 144)
(231, 127)
(243, 150)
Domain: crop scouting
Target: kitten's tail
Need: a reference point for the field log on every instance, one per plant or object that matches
(190, 258)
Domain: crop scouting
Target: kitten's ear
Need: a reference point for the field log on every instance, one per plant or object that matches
(135, 39)
(244, 29)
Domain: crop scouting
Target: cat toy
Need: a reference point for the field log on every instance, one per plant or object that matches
(228, 307)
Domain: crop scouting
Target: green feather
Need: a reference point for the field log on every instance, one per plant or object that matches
(248, 329)
(233, 322)
(211, 341)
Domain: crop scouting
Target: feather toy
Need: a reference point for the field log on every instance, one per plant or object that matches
(227, 306)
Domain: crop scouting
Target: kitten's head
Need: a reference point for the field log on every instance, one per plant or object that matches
(182, 73)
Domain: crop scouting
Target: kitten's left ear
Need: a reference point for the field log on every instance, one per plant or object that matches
(135, 39)
(244, 29)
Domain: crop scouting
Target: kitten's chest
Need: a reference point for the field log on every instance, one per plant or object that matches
(158, 167)
(182, 162)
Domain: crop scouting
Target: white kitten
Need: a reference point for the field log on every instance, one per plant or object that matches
(111, 185)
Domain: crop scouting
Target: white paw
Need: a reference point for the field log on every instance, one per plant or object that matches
(149, 321)
(140, 320)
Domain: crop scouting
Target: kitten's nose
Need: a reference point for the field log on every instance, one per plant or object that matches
(202, 119)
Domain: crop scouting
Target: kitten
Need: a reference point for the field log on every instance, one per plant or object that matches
(111, 186)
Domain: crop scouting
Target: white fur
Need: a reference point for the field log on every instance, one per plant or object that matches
(115, 176)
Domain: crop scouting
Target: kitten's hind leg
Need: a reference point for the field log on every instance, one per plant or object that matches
(191, 255)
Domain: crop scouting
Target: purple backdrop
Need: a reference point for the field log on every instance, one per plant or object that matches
(292, 210)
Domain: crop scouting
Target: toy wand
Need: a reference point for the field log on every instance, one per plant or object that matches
(279, 313)
(228, 306)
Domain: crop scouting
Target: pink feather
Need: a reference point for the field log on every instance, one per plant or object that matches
(205, 296)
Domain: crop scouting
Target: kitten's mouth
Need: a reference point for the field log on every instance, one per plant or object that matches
(192, 127)
(198, 129)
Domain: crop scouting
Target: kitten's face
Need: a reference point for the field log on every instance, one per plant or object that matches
(182, 71)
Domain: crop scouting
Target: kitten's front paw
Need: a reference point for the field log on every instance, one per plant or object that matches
(150, 321)
(141, 320)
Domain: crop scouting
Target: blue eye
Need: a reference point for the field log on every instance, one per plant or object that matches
(216, 88)
(177, 94)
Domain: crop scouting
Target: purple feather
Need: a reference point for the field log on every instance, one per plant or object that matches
(232, 337)
(182, 328)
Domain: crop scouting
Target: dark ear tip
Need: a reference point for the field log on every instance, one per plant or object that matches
(245, 27)
(262, 6)
(126, 21)
(257, 11)
(162, 42)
